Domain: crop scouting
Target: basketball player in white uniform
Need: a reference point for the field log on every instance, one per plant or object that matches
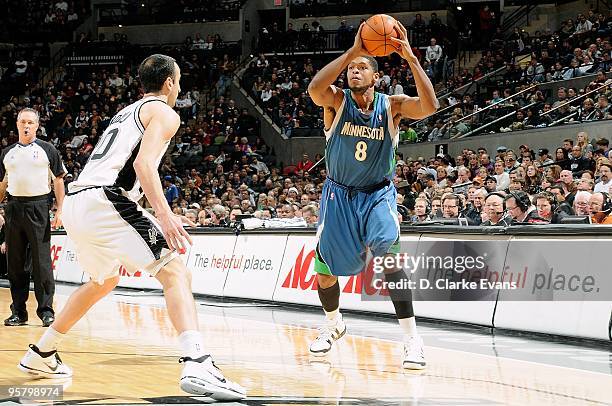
(110, 229)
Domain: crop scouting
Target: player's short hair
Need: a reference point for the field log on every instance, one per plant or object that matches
(154, 71)
(28, 110)
(373, 62)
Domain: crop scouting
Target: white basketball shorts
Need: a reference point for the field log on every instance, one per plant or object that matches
(110, 230)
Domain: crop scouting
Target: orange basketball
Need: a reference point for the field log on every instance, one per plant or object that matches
(376, 35)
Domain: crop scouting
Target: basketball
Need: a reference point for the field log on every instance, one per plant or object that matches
(377, 33)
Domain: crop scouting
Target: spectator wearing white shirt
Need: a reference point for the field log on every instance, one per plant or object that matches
(396, 88)
(72, 16)
(266, 94)
(259, 166)
(605, 178)
(61, 5)
(502, 177)
(116, 80)
(383, 77)
(21, 66)
(437, 132)
(433, 55)
(198, 42)
(583, 25)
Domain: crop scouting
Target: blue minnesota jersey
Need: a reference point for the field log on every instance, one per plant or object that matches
(361, 147)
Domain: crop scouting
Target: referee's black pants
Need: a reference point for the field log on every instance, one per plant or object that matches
(28, 223)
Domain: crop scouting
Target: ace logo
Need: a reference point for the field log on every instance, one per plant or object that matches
(298, 275)
(55, 253)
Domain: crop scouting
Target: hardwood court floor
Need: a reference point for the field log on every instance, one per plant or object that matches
(125, 352)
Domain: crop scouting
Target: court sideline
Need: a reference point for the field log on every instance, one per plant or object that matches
(125, 352)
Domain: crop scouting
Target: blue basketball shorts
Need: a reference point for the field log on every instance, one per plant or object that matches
(350, 223)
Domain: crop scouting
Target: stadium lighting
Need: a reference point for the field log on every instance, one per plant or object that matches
(459, 8)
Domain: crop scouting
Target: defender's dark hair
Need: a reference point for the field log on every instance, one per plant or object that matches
(154, 71)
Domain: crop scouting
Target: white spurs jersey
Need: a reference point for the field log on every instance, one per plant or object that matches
(111, 162)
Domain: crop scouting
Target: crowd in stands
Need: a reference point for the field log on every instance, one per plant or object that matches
(533, 108)
(578, 48)
(503, 188)
(219, 167)
(506, 187)
(313, 8)
(171, 12)
(27, 20)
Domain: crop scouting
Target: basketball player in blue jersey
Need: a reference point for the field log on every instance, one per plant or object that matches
(358, 207)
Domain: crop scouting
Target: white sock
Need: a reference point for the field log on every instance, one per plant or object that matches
(192, 344)
(49, 340)
(333, 315)
(409, 326)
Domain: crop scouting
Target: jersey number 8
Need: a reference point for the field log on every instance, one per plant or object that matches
(361, 149)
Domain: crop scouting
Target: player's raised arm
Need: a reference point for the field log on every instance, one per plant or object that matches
(321, 88)
(426, 103)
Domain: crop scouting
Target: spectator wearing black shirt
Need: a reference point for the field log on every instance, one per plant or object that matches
(578, 162)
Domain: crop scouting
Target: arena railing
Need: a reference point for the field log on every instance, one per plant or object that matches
(498, 120)
(464, 89)
(497, 103)
(594, 91)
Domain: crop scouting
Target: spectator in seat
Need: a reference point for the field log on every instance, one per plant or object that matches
(546, 204)
(599, 205)
(451, 206)
(421, 214)
(436, 207)
(544, 157)
(585, 185)
(496, 213)
(259, 166)
(581, 203)
(433, 55)
(192, 214)
(605, 178)
(202, 220)
(584, 26)
(311, 215)
(474, 212)
(501, 176)
(218, 216)
(491, 183)
(286, 211)
(602, 145)
(170, 190)
(578, 162)
(305, 164)
(235, 212)
(566, 180)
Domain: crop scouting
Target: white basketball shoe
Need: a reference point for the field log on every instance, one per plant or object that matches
(414, 355)
(44, 364)
(332, 331)
(201, 377)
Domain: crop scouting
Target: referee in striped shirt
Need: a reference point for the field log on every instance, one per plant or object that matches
(25, 170)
